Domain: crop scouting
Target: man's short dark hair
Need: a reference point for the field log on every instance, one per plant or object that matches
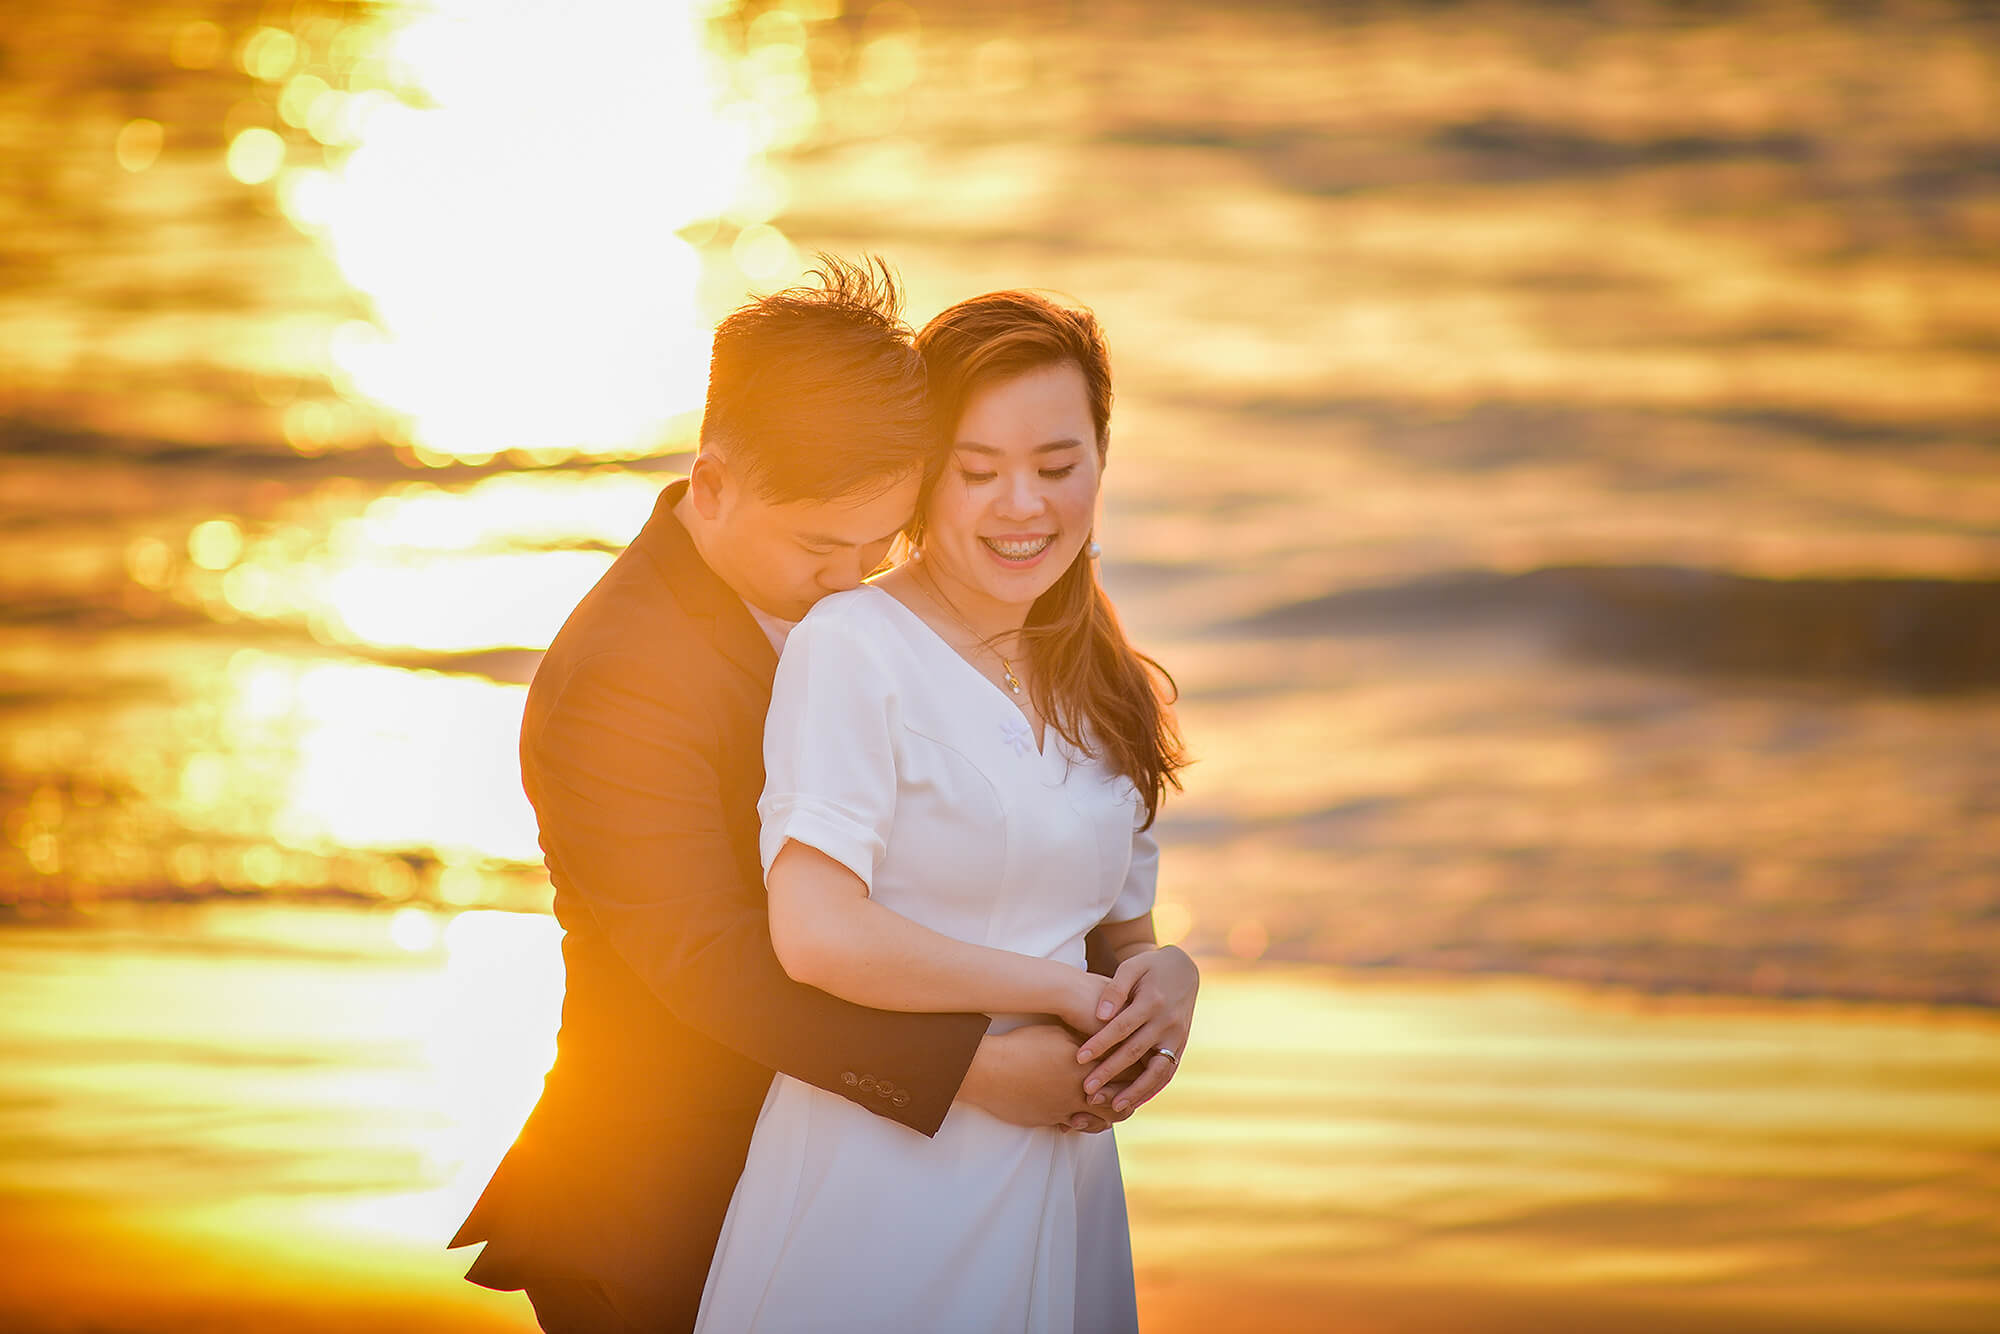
(818, 392)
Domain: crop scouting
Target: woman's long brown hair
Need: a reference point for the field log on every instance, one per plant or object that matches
(1104, 696)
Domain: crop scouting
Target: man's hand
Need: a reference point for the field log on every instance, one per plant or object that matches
(1031, 1077)
(1149, 1005)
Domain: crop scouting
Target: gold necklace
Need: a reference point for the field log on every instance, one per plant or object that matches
(1006, 667)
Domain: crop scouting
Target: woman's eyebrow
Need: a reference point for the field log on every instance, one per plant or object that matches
(973, 446)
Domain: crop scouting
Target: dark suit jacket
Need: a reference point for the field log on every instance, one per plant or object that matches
(642, 752)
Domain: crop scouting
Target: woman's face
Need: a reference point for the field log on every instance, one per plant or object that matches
(1016, 502)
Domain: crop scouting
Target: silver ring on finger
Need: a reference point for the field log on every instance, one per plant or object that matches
(1169, 1053)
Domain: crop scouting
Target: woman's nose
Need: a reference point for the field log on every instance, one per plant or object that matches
(1021, 498)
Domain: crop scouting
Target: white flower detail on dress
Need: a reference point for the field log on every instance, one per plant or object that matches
(1016, 733)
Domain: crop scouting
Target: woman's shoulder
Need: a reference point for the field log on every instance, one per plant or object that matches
(858, 621)
(860, 609)
(845, 606)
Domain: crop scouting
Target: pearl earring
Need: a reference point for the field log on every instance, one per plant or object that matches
(1093, 550)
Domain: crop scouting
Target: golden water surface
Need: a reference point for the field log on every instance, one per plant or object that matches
(1554, 450)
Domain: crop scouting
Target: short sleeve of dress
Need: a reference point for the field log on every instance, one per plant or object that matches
(829, 753)
(1142, 876)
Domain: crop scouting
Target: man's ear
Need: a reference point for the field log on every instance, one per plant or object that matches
(707, 480)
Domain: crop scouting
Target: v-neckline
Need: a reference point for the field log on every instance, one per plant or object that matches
(1041, 742)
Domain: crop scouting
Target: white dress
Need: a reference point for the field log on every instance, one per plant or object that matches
(890, 753)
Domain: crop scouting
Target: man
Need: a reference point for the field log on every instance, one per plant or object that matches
(642, 753)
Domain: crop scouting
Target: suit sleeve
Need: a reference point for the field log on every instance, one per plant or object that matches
(631, 807)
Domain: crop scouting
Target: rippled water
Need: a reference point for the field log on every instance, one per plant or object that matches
(310, 1099)
(1555, 444)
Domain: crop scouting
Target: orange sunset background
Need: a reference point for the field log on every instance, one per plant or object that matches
(1557, 450)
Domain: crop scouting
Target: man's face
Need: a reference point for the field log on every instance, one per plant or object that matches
(783, 556)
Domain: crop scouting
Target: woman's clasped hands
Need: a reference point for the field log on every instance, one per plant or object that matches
(1137, 1026)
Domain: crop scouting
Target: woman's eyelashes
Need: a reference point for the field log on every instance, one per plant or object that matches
(1048, 474)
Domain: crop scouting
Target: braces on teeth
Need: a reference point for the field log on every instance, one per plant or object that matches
(1019, 549)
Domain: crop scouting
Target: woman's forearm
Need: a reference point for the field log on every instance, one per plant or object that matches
(829, 934)
(872, 956)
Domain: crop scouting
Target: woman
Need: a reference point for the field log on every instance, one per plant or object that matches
(963, 759)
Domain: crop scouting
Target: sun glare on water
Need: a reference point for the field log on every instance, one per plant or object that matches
(512, 189)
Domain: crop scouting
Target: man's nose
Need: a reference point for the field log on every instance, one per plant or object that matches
(842, 575)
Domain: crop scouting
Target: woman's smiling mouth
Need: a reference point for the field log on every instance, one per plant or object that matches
(1018, 549)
